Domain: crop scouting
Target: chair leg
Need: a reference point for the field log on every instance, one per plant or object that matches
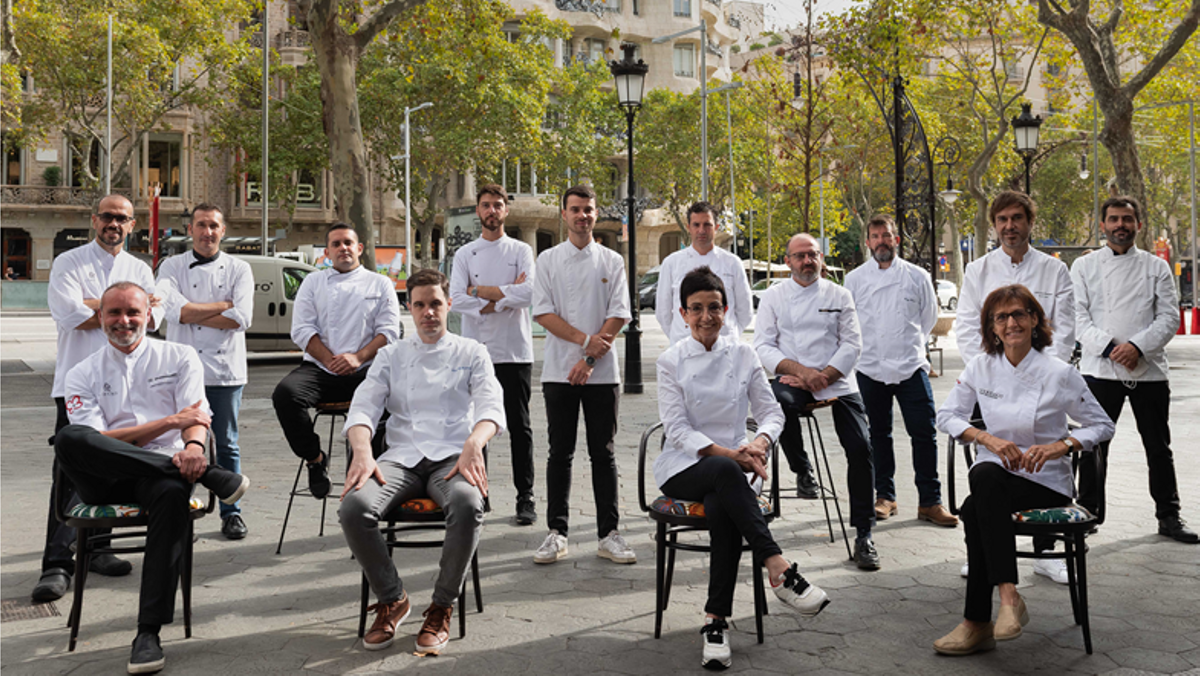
(362, 609)
(475, 581)
(760, 597)
(1072, 578)
(820, 481)
(324, 504)
(462, 610)
(836, 504)
(1081, 558)
(659, 577)
(288, 513)
(185, 582)
(670, 574)
(82, 562)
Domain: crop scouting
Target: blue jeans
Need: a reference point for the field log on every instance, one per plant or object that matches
(916, 407)
(225, 402)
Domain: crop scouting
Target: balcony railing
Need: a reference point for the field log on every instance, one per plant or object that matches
(53, 196)
(292, 38)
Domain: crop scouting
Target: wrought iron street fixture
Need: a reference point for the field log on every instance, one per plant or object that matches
(409, 248)
(946, 152)
(629, 76)
(1084, 174)
(1025, 132)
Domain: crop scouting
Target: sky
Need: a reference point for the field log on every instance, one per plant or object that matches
(790, 13)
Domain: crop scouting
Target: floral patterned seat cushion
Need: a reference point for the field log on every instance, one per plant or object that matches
(668, 505)
(419, 505)
(85, 511)
(1068, 514)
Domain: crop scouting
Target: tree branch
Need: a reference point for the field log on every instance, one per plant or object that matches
(380, 20)
(1179, 36)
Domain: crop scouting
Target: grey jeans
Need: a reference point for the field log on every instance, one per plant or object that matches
(462, 503)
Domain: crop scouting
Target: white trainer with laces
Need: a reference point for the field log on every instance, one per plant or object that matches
(1055, 569)
(614, 548)
(553, 548)
(806, 599)
(717, 654)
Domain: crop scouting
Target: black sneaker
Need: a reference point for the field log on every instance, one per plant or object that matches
(233, 528)
(717, 655)
(52, 585)
(147, 656)
(1176, 529)
(229, 486)
(806, 486)
(318, 478)
(865, 555)
(526, 512)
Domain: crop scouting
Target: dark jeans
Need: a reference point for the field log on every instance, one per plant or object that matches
(108, 471)
(916, 407)
(991, 538)
(516, 380)
(850, 423)
(1151, 402)
(732, 512)
(599, 404)
(302, 389)
(59, 538)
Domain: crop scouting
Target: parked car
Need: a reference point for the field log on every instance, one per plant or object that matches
(947, 295)
(648, 289)
(760, 287)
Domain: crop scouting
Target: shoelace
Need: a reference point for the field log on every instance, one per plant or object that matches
(792, 579)
(714, 631)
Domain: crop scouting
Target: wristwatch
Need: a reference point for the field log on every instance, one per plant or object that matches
(590, 361)
(474, 291)
(1070, 444)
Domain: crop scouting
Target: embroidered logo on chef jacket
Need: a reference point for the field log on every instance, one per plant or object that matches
(74, 404)
(990, 394)
(108, 390)
(164, 379)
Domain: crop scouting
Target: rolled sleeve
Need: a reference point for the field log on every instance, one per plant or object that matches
(242, 311)
(65, 298)
(387, 319)
(371, 397)
(173, 301)
(487, 397)
(520, 295)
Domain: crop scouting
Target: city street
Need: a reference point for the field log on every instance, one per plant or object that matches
(255, 612)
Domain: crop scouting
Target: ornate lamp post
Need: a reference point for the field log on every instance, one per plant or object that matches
(630, 78)
(1025, 132)
(947, 153)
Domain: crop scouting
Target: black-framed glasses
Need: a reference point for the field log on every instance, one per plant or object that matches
(1021, 316)
(697, 309)
(802, 255)
(109, 217)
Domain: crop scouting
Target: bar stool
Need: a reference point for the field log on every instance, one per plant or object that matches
(824, 484)
(333, 411)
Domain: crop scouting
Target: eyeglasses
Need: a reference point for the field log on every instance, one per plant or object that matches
(713, 309)
(108, 217)
(802, 255)
(1021, 316)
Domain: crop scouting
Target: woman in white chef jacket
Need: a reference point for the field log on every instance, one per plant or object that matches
(1025, 396)
(706, 383)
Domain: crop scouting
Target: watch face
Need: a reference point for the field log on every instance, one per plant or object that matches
(590, 361)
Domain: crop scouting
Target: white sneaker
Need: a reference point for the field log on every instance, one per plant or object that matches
(806, 599)
(717, 654)
(1055, 569)
(613, 548)
(966, 570)
(552, 549)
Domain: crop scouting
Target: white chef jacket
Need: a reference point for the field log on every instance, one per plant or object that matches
(703, 397)
(726, 266)
(436, 394)
(85, 272)
(584, 287)
(507, 332)
(1044, 275)
(1027, 404)
(111, 390)
(814, 325)
(346, 309)
(897, 309)
(222, 351)
(1124, 298)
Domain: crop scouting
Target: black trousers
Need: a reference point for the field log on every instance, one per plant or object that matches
(599, 404)
(59, 538)
(106, 471)
(850, 423)
(516, 381)
(732, 512)
(1151, 402)
(991, 537)
(302, 389)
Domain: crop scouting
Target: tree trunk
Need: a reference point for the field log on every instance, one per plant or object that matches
(1117, 137)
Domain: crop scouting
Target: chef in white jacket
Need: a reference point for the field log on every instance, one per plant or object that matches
(1126, 313)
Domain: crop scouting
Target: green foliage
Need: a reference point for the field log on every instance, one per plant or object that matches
(52, 175)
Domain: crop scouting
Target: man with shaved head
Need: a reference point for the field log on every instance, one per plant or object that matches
(77, 278)
(807, 334)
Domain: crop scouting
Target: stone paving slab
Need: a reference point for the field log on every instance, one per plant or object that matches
(255, 612)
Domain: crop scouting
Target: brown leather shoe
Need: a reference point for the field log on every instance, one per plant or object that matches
(435, 633)
(1010, 620)
(965, 640)
(938, 515)
(388, 617)
(885, 508)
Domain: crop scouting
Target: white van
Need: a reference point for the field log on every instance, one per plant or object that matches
(276, 282)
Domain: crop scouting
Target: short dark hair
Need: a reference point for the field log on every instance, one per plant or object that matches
(1043, 333)
(881, 221)
(581, 190)
(701, 279)
(1010, 198)
(1126, 201)
(339, 226)
(701, 207)
(490, 189)
(428, 277)
(205, 206)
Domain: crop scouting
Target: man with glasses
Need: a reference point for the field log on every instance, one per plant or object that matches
(491, 286)
(898, 308)
(1016, 262)
(78, 279)
(702, 228)
(1127, 312)
(209, 301)
(807, 334)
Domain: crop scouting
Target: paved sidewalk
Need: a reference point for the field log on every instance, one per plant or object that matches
(259, 613)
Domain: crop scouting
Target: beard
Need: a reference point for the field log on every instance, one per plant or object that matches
(136, 334)
(1122, 236)
(806, 276)
(883, 254)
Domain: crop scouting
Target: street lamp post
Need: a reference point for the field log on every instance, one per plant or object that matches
(630, 78)
(946, 152)
(1025, 132)
(408, 189)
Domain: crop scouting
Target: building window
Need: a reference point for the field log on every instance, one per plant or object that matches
(685, 60)
(14, 164)
(76, 158)
(636, 8)
(612, 5)
(163, 164)
(683, 7)
(592, 50)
